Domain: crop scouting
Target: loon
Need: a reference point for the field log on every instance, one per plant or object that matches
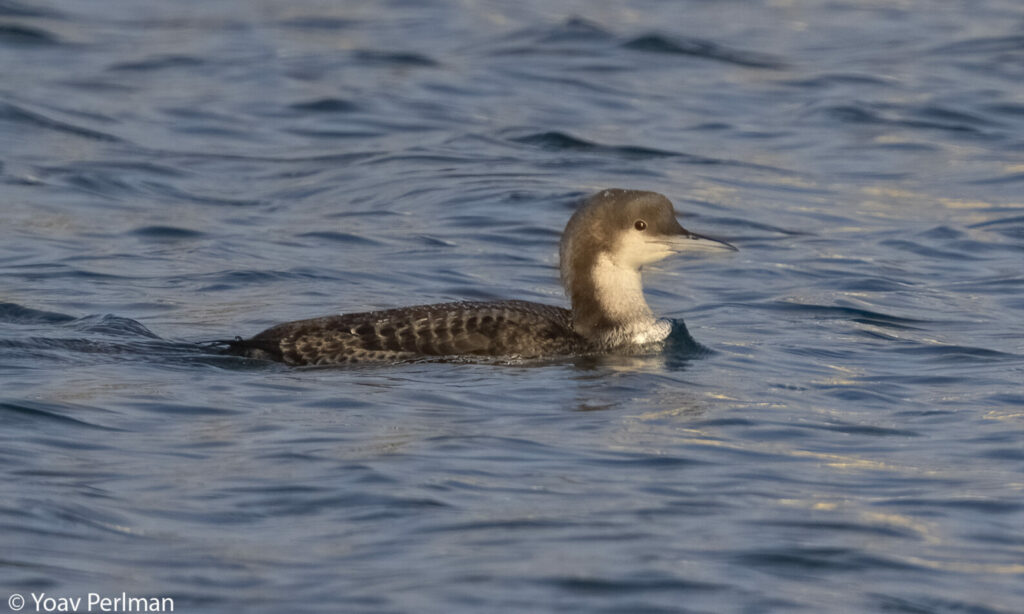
(608, 239)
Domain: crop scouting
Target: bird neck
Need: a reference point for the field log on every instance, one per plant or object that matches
(608, 302)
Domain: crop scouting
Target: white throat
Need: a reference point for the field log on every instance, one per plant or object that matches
(619, 291)
(619, 294)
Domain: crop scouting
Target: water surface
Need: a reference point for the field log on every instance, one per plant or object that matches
(853, 440)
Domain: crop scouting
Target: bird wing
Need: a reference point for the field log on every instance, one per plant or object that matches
(477, 328)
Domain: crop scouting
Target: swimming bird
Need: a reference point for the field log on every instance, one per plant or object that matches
(607, 241)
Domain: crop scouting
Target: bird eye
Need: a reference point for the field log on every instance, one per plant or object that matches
(640, 225)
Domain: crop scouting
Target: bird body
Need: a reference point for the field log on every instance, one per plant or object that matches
(495, 328)
(603, 248)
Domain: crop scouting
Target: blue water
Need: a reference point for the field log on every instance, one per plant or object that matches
(175, 172)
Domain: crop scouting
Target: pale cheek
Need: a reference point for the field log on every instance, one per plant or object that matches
(659, 253)
(652, 252)
(635, 251)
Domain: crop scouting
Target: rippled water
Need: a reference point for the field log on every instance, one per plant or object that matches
(177, 172)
